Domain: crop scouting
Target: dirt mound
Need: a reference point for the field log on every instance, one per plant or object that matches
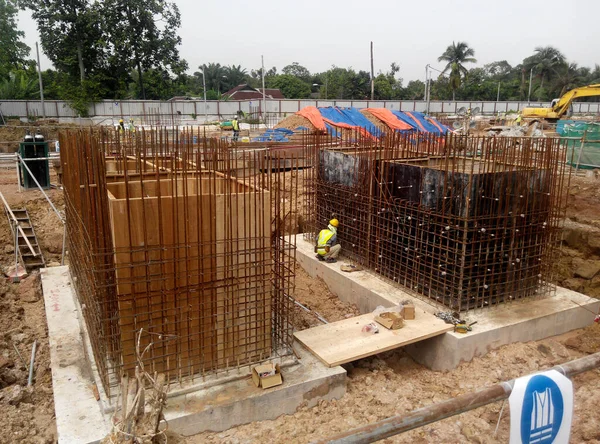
(294, 121)
(374, 120)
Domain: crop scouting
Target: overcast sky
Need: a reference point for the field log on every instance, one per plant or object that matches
(322, 33)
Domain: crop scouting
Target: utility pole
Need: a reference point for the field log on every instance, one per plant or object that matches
(372, 75)
(426, 77)
(204, 89)
(262, 61)
(529, 95)
(37, 50)
(498, 96)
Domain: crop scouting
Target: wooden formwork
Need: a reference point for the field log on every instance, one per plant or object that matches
(193, 266)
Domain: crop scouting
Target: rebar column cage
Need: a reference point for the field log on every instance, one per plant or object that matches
(181, 236)
(466, 222)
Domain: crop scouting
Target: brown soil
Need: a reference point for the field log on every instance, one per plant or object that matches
(294, 121)
(375, 121)
(12, 134)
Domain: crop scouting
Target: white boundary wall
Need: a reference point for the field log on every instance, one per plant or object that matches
(172, 111)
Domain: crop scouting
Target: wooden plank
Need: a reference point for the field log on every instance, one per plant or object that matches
(343, 341)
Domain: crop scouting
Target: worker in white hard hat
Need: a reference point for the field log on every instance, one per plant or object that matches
(327, 248)
(236, 128)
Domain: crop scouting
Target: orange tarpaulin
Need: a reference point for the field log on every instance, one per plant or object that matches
(387, 117)
(314, 116)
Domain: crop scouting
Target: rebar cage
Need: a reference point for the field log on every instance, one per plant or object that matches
(183, 238)
(466, 222)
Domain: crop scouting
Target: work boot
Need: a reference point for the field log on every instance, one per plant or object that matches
(331, 260)
(318, 256)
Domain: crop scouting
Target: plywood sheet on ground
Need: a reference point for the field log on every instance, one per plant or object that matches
(343, 341)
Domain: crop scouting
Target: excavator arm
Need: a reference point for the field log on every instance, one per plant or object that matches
(562, 106)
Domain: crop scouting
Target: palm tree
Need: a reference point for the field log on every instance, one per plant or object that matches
(215, 74)
(454, 56)
(569, 77)
(235, 75)
(545, 62)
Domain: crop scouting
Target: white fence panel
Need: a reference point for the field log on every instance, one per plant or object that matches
(436, 107)
(490, 107)
(289, 106)
(449, 107)
(344, 104)
(305, 103)
(325, 103)
(360, 104)
(273, 106)
(13, 108)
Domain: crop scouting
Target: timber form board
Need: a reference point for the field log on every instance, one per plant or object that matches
(343, 341)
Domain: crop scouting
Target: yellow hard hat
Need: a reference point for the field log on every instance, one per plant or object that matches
(334, 222)
(121, 121)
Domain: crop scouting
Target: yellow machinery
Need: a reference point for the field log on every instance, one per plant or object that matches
(561, 106)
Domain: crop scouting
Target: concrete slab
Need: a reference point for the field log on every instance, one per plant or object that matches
(214, 403)
(79, 419)
(519, 321)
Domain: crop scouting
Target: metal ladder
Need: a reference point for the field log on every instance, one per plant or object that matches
(29, 249)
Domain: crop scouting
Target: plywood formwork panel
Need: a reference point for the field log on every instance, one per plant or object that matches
(193, 269)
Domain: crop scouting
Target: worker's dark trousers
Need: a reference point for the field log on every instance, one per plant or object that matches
(236, 135)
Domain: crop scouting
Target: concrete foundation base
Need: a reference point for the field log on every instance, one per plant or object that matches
(216, 403)
(519, 321)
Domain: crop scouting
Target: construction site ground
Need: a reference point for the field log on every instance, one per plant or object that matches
(377, 387)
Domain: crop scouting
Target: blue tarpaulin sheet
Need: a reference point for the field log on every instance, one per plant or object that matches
(349, 116)
(426, 125)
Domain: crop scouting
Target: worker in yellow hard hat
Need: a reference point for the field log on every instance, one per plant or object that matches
(327, 248)
(121, 126)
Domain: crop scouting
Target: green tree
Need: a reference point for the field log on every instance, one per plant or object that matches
(215, 76)
(291, 86)
(13, 52)
(455, 56)
(569, 76)
(20, 85)
(234, 76)
(545, 63)
(297, 70)
(71, 34)
(143, 36)
(415, 90)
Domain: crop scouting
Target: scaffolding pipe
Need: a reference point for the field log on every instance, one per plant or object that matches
(469, 401)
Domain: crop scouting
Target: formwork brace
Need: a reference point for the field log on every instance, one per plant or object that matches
(433, 413)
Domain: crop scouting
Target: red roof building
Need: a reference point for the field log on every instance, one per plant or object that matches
(246, 92)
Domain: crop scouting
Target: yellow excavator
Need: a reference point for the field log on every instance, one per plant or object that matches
(559, 107)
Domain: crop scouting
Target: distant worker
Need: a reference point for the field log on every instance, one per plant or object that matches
(518, 119)
(236, 128)
(131, 126)
(121, 126)
(327, 248)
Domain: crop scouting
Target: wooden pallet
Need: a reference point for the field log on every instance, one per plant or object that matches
(28, 258)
